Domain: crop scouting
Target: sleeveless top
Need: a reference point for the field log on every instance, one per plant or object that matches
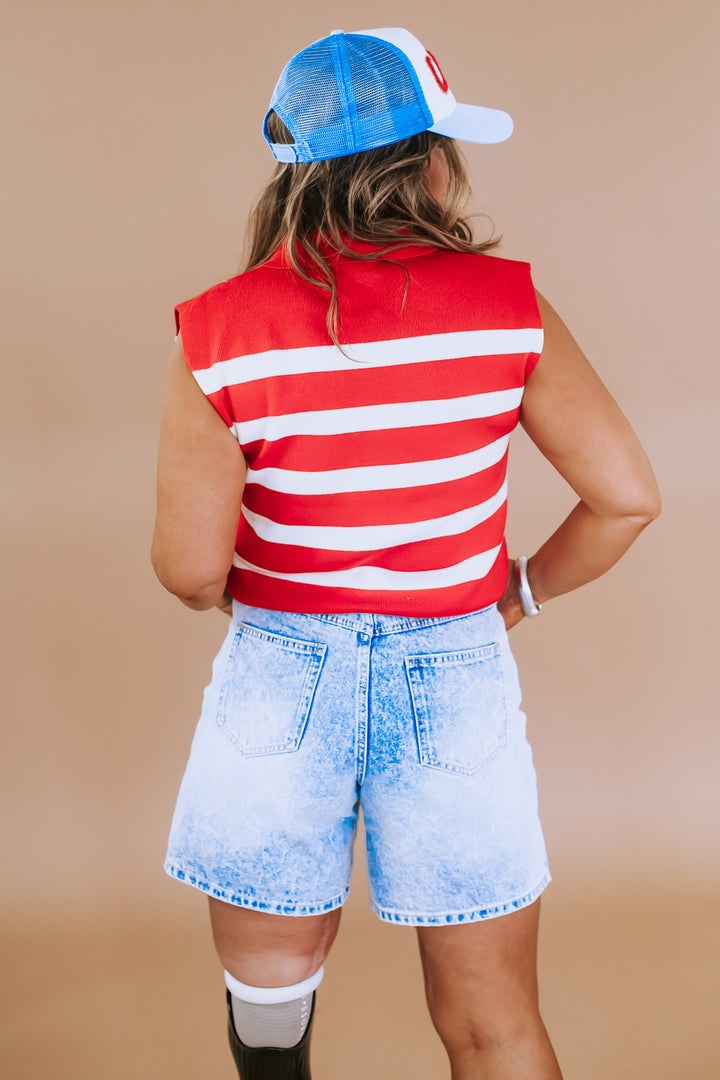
(377, 480)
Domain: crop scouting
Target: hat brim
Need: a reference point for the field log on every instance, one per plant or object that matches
(473, 123)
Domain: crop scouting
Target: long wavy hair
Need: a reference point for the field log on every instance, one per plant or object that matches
(377, 196)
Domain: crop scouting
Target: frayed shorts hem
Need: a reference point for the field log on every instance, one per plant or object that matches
(408, 919)
(246, 900)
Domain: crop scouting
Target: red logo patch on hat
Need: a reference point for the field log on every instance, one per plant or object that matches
(435, 68)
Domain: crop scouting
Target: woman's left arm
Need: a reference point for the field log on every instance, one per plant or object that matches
(201, 475)
(576, 424)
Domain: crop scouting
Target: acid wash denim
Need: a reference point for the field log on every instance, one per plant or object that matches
(309, 718)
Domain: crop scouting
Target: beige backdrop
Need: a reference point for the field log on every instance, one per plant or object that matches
(136, 153)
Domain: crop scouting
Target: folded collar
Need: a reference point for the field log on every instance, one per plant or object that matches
(396, 254)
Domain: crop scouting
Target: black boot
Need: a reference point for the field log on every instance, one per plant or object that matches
(270, 1062)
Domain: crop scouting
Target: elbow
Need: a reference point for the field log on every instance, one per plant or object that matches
(164, 570)
(643, 509)
(195, 595)
(636, 505)
(649, 507)
(195, 591)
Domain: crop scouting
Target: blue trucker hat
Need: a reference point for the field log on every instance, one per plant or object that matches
(351, 92)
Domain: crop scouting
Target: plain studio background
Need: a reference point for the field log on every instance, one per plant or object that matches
(137, 152)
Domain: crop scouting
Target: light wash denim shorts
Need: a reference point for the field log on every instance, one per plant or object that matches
(417, 721)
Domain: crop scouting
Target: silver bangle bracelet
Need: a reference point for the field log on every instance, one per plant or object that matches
(527, 600)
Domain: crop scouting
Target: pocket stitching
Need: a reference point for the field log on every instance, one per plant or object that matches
(421, 712)
(314, 653)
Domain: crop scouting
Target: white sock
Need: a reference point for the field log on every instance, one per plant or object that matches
(271, 1015)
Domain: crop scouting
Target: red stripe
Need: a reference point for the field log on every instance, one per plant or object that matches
(377, 507)
(434, 380)
(260, 591)
(433, 554)
(396, 446)
(448, 291)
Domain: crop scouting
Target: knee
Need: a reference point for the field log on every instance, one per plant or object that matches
(271, 950)
(474, 1027)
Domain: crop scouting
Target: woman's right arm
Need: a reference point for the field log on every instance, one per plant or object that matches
(575, 423)
(201, 475)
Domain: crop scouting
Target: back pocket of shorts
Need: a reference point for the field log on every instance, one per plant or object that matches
(268, 690)
(459, 706)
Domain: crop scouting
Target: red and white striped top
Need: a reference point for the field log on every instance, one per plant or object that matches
(376, 481)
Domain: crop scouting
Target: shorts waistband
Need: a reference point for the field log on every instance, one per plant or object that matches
(376, 625)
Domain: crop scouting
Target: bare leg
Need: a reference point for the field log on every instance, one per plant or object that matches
(271, 950)
(262, 950)
(481, 987)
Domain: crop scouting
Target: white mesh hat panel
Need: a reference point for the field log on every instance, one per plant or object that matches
(441, 102)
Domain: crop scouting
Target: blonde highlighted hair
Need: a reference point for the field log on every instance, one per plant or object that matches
(377, 196)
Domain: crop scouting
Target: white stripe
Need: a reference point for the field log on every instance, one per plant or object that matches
(380, 477)
(374, 537)
(396, 414)
(411, 350)
(377, 577)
